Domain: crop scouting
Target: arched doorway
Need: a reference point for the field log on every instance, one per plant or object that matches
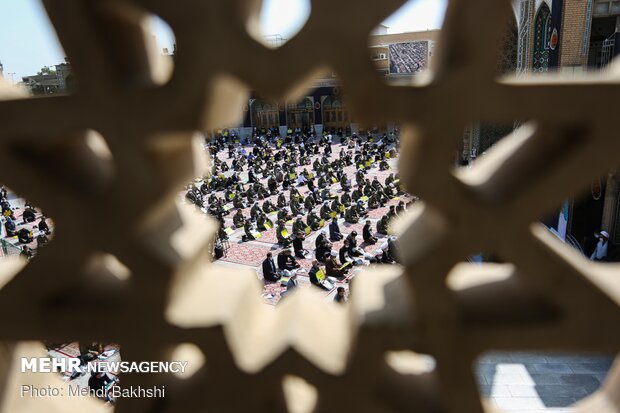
(264, 114)
(542, 35)
(335, 113)
(300, 114)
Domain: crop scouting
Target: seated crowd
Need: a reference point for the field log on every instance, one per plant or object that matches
(31, 226)
(286, 165)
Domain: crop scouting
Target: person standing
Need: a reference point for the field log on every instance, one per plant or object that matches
(601, 250)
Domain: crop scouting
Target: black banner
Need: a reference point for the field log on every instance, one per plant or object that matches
(556, 29)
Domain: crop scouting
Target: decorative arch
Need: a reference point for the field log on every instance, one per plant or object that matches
(542, 36)
(259, 105)
(305, 104)
(333, 102)
(300, 114)
(335, 112)
(264, 114)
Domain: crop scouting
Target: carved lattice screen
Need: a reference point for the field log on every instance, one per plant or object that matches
(121, 204)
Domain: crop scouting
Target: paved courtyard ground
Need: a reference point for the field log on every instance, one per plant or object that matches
(540, 382)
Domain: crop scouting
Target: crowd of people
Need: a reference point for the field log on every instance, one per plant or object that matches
(25, 229)
(298, 185)
(99, 382)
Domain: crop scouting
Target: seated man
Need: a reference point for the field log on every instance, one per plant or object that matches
(299, 226)
(298, 245)
(284, 214)
(382, 225)
(361, 211)
(309, 202)
(373, 203)
(326, 212)
(334, 230)
(343, 254)
(238, 202)
(270, 272)
(352, 239)
(43, 227)
(325, 194)
(260, 191)
(314, 222)
(281, 200)
(323, 247)
(26, 252)
(255, 211)
(286, 261)
(251, 176)
(272, 185)
(357, 194)
(345, 199)
(250, 195)
(282, 234)
(382, 257)
(295, 207)
(239, 219)
(367, 234)
(346, 187)
(24, 236)
(351, 215)
(29, 214)
(263, 223)
(248, 228)
(337, 207)
(376, 184)
(359, 177)
(322, 182)
(10, 227)
(318, 277)
(268, 207)
(332, 266)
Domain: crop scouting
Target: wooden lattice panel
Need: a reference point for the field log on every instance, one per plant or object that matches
(121, 204)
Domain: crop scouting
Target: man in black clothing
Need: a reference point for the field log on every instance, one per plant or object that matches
(270, 272)
(298, 246)
(323, 246)
(367, 234)
(29, 215)
(43, 227)
(334, 230)
(98, 383)
(286, 261)
(24, 236)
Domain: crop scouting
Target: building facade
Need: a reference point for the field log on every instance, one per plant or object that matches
(324, 108)
(570, 37)
(60, 80)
